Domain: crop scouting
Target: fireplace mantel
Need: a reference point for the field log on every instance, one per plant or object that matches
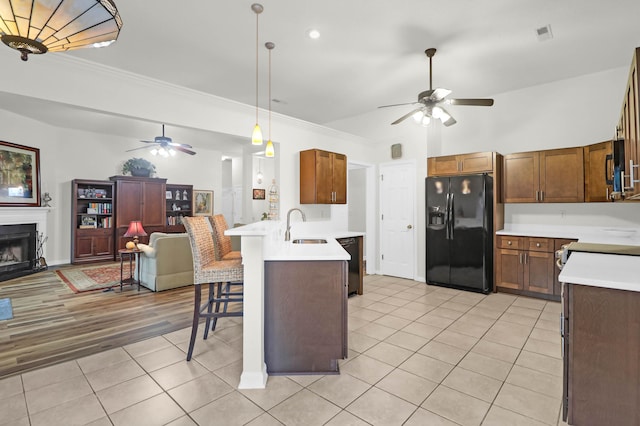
(22, 215)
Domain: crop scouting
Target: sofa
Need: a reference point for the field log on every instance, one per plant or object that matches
(166, 262)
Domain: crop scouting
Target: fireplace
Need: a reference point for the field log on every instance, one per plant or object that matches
(17, 250)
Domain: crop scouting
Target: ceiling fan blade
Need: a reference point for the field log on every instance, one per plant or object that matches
(135, 149)
(446, 118)
(473, 102)
(407, 115)
(149, 141)
(183, 145)
(185, 150)
(393, 105)
(439, 94)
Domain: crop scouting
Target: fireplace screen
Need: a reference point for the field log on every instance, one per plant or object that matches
(17, 249)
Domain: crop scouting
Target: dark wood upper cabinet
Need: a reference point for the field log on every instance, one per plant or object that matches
(450, 165)
(598, 170)
(323, 177)
(629, 124)
(551, 176)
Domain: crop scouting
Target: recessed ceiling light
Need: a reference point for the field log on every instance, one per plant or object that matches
(313, 34)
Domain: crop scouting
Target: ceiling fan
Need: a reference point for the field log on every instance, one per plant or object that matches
(430, 102)
(166, 146)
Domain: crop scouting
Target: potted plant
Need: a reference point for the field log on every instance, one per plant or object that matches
(138, 167)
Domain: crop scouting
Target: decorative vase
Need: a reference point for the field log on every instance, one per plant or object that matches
(137, 171)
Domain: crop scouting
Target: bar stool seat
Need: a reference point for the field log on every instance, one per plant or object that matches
(223, 277)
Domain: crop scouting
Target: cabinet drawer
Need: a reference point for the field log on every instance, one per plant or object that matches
(540, 244)
(509, 242)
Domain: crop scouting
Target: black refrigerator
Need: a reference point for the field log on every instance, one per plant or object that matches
(459, 233)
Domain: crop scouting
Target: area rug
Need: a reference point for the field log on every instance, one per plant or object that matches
(90, 278)
(5, 309)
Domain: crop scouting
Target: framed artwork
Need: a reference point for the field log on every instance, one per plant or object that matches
(19, 175)
(168, 195)
(258, 194)
(202, 202)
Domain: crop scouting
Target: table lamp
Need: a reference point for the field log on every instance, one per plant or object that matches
(135, 230)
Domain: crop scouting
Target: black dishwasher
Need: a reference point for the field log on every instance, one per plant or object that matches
(351, 246)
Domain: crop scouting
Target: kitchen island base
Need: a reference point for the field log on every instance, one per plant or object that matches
(305, 324)
(601, 356)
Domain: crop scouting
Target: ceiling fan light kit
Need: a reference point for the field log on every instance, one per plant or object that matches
(39, 26)
(167, 148)
(430, 102)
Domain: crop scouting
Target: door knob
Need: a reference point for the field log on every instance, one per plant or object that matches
(409, 227)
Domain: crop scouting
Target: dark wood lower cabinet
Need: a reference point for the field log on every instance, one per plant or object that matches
(526, 266)
(305, 309)
(601, 349)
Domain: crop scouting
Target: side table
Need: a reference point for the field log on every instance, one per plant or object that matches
(131, 255)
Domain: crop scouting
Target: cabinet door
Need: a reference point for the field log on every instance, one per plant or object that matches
(597, 169)
(521, 177)
(539, 271)
(324, 178)
(509, 269)
(339, 181)
(153, 210)
(129, 202)
(476, 163)
(562, 175)
(442, 166)
(83, 247)
(103, 245)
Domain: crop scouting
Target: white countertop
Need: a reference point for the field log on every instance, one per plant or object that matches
(620, 272)
(276, 249)
(584, 234)
(602, 270)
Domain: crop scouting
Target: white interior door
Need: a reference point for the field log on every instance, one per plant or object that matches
(397, 220)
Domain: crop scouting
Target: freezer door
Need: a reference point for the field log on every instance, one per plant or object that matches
(468, 218)
(437, 235)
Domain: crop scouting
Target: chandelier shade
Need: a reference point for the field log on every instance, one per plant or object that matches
(40, 26)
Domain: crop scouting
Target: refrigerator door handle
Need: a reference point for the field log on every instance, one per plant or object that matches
(446, 218)
(451, 218)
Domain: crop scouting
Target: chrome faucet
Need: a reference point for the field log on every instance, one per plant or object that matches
(287, 234)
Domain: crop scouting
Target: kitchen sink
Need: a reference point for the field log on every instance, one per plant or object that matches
(309, 241)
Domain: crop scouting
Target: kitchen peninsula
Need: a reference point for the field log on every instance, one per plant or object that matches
(263, 242)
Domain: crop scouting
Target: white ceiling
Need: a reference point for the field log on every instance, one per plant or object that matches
(370, 53)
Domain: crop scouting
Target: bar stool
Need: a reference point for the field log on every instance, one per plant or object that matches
(222, 274)
(222, 242)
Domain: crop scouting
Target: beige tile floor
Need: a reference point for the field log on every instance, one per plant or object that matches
(418, 355)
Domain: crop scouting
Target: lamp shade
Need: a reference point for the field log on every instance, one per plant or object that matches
(38, 26)
(135, 229)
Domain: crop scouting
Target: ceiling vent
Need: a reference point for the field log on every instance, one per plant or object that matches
(544, 33)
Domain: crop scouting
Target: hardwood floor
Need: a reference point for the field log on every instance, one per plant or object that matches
(51, 324)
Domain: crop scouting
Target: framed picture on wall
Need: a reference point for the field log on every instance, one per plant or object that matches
(258, 194)
(19, 175)
(202, 202)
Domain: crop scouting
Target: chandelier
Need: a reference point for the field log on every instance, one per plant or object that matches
(40, 26)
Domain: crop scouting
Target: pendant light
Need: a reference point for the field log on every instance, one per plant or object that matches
(38, 26)
(256, 137)
(269, 150)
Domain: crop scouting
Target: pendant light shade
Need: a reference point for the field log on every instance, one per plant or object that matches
(39, 26)
(269, 150)
(256, 136)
